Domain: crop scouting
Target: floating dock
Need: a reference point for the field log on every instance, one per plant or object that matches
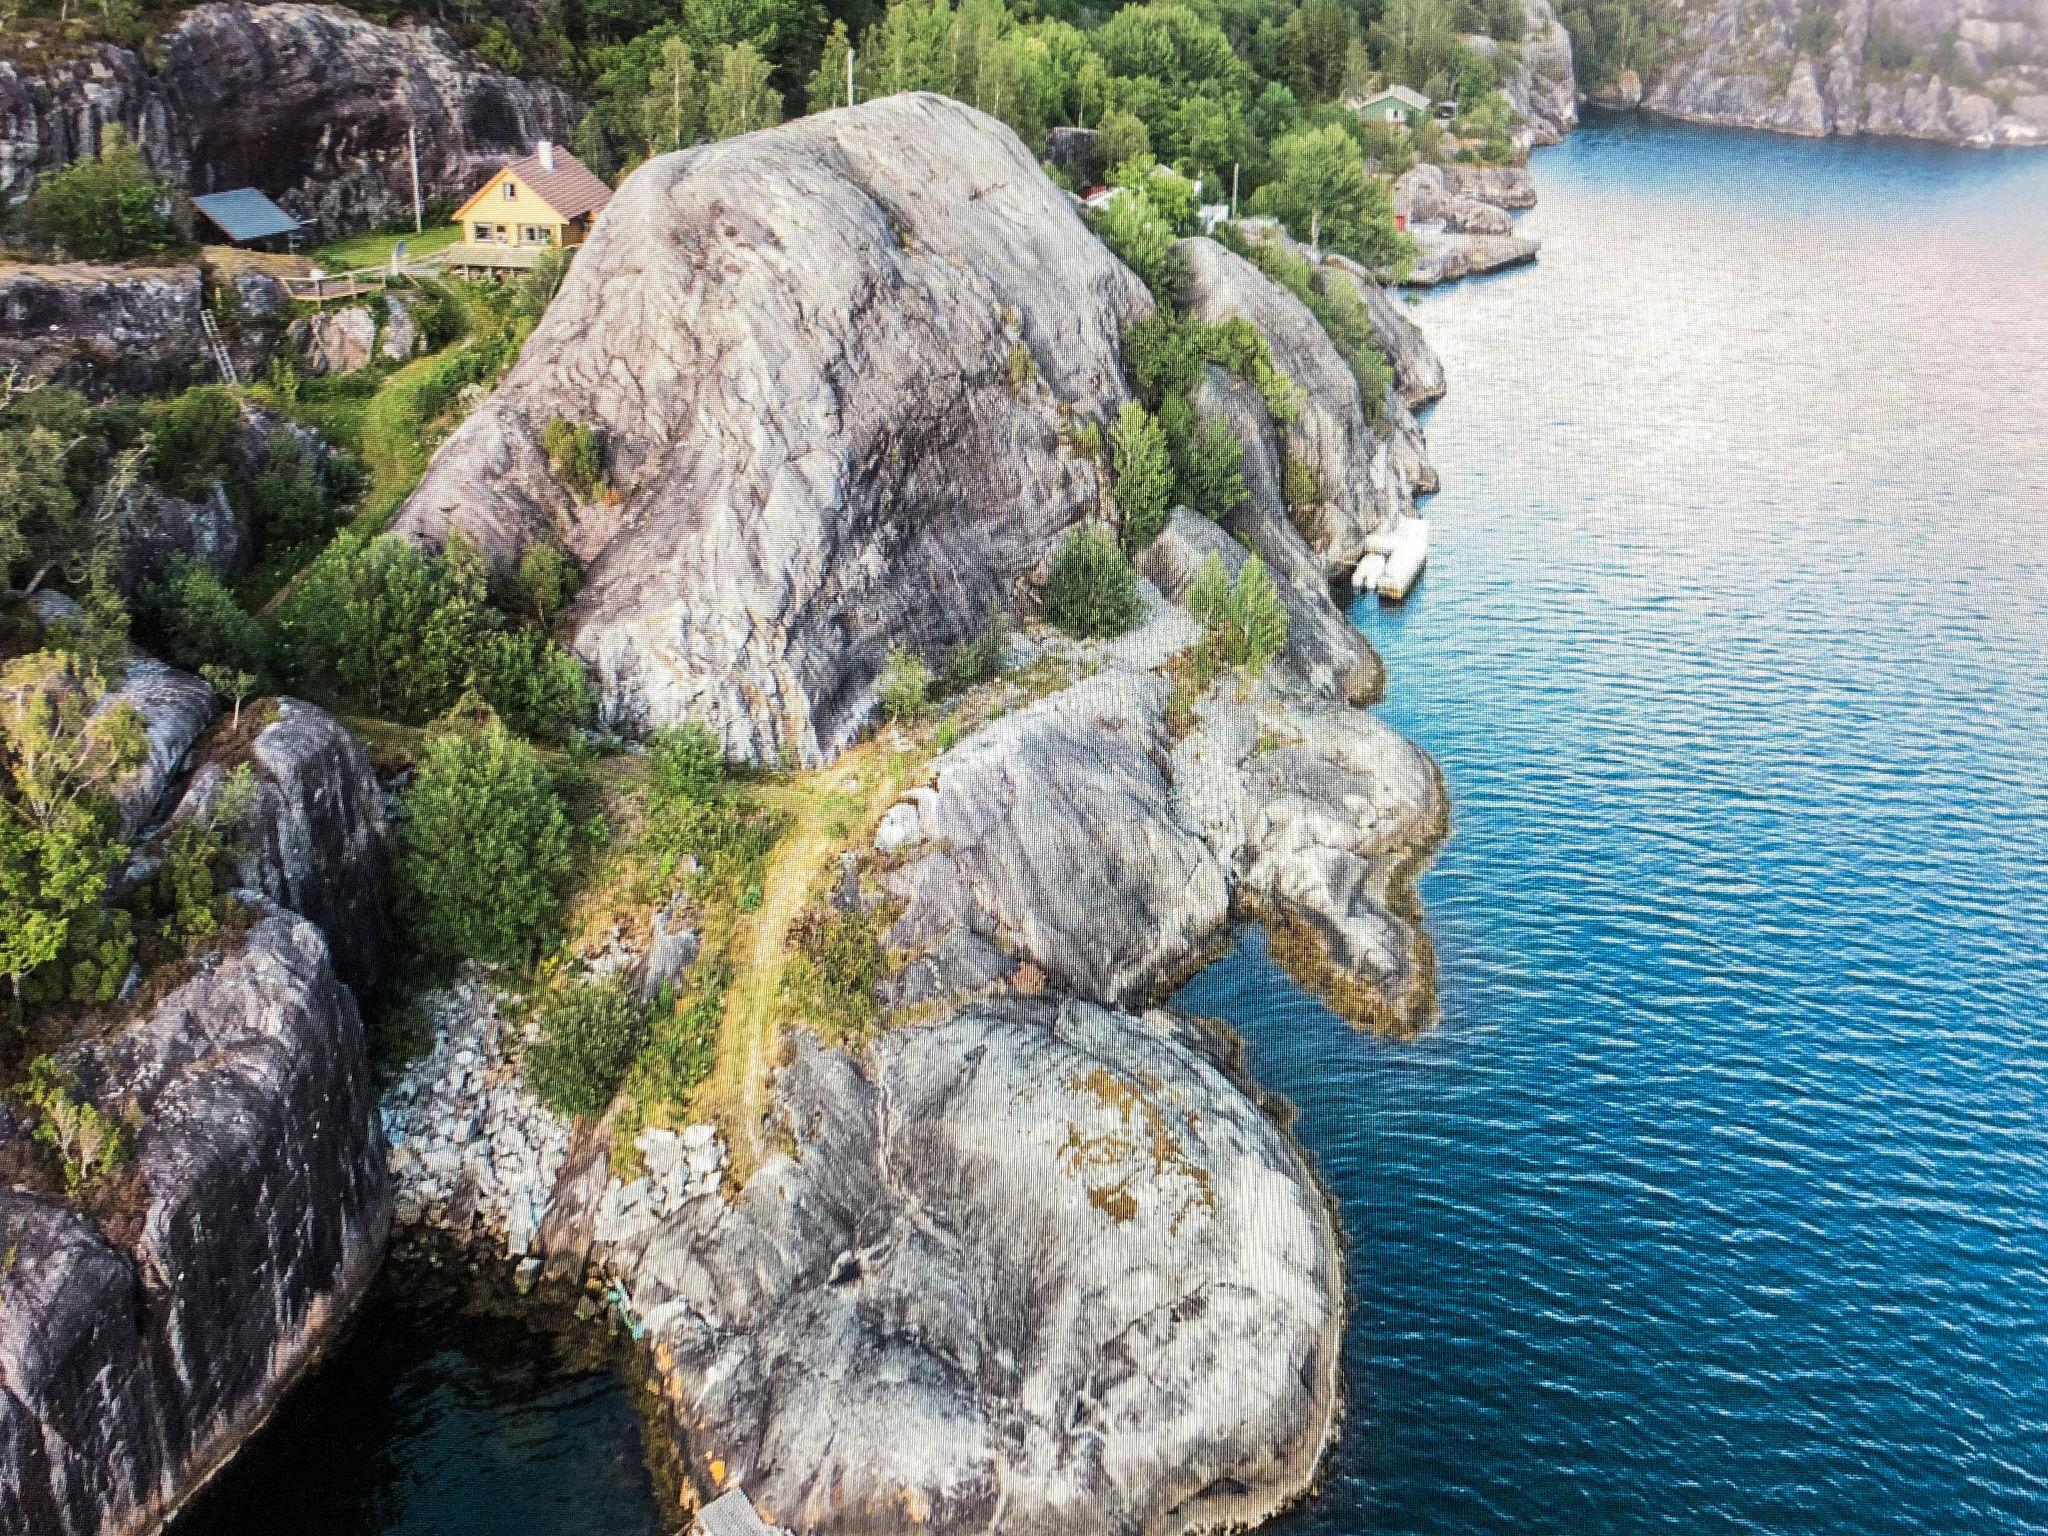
(1394, 558)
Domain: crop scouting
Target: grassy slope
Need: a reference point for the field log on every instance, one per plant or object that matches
(830, 809)
(375, 250)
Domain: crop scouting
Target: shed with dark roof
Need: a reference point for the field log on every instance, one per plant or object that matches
(245, 216)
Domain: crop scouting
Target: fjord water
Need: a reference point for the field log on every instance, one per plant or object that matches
(1718, 1199)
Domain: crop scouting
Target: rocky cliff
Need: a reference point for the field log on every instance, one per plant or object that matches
(148, 1324)
(103, 329)
(1963, 71)
(309, 103)
(838, 370)
(130, 1365)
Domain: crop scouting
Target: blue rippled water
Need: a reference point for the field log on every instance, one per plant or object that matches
(1718, 1202)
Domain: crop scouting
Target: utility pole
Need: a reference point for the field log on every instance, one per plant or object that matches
(849, 77)
(1233, 191)
(412, 144)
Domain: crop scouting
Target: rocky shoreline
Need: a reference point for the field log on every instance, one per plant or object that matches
(982, 1265)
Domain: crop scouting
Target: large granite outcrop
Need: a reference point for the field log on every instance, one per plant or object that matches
(173, 708)
(833, 367)
(157, 527)
(102, 329)
(1054, 1257)
(132, 1364)
(309, 103)
(1960, 71)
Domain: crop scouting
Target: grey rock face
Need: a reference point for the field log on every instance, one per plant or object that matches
(1444, 257)
(308, 103)
(1113, 898)
(1543, 89)
(315, 840)
(1962, 71)
(1423, 194)
(1504, 186)
(128, 1370)
(338, 341)
(102, 329)
(156, 526)
(797, 345)
(1418, 372)
(52, 112)
(1088, 835)
(174, 708)
(1015, 1244)
(1331, 434)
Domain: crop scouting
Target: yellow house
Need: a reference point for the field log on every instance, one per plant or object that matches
(547, 199)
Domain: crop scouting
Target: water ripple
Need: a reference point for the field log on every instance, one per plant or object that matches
(1719, 1202)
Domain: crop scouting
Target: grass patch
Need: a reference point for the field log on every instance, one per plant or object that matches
(374, 250)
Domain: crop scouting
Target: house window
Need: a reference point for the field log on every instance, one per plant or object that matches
(537, 234)
(483, 233)
(511, 191)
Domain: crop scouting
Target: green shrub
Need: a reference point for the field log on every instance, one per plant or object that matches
(682, 1043)
(485, 848)
(61, 744)
(1143, 241)
(188, 438)
(590, 1033)
(976, 661)
(1245, 618)
(548, 578)
(1092, 590)
(381, 625)
(1020, 368)
(1208, 461)
(538, 688)
(88, 1143)
(904, 688)
(107, 208)
(287, 502)
(573, 453)
(696, 811)
(190, 619)
(1141, 475)
(685, 762)
(1163, 355)
(1303, 490)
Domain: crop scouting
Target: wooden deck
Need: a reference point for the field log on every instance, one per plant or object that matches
(477, 256)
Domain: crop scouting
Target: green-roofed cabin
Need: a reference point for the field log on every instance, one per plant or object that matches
(1396, 104)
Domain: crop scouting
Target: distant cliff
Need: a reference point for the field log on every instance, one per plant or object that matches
(1960, 71)
(309, 103)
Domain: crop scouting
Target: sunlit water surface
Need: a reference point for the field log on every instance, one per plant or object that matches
(1718, 1200)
